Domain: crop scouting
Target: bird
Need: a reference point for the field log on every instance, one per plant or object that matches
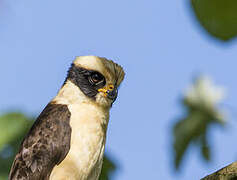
(67, 140)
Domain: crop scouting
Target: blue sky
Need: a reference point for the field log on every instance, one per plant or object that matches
(161, 48)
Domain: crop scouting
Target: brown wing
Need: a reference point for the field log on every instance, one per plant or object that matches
(46, 145)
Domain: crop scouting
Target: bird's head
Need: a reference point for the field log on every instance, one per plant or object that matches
(98, 78)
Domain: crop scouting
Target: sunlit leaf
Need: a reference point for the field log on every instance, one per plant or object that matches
(13, 127)
(218, 17)
(3, 177)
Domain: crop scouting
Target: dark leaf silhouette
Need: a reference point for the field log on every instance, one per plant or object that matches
(107, 169)
(218, 17)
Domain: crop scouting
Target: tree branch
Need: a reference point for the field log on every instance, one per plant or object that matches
(227, 173)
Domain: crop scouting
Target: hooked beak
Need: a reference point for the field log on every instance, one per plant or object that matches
(110, 92)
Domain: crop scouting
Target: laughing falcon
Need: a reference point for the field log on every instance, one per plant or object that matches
(67, 140)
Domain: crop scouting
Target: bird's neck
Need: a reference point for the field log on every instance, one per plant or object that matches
(73, 97)
(70, 94)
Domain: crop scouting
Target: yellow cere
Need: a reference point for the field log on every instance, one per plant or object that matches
(104, 90)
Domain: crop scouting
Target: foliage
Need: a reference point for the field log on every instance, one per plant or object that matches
(13, 127)
(107, 169)
(218, 17)
(200, 103)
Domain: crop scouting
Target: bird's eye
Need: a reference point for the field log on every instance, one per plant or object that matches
(96, 78)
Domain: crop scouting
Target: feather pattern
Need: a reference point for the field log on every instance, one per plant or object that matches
(46, 145)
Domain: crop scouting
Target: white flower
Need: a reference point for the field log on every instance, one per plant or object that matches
(203, 93)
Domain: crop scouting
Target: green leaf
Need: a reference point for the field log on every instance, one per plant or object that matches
(13, 127)
(218, 17)
(192, 129)
(3, 177)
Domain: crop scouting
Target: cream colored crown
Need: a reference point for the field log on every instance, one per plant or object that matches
(112, 71)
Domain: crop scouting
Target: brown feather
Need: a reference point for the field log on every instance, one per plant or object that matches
(46, 145)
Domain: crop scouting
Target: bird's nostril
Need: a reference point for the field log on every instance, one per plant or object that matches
(111, 87)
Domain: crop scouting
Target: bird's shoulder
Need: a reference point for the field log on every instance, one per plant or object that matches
(46, 144)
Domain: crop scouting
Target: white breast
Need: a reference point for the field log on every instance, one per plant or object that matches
(85, 157)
